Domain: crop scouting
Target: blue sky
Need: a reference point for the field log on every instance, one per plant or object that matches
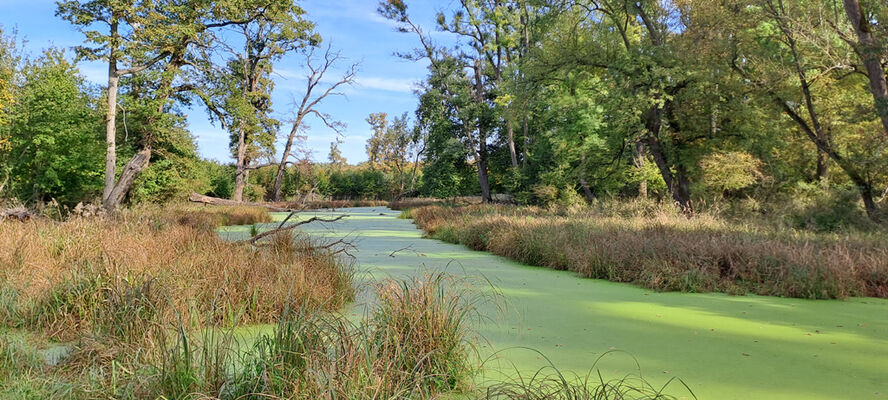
(384, 84)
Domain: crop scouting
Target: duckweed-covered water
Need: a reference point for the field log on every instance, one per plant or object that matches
(723, 347)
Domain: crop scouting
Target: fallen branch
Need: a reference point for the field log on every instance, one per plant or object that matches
(199, 198)
(282, 228)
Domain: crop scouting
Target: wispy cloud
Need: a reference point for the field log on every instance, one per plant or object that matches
(387, 84)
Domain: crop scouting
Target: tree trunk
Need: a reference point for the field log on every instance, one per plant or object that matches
(123, 184)
(870, 53)
(512, 151)
(822, 168)
(111, 132)
(638, 158)
(240, 169)
(483, 178)
(679, 186)
(525, 142)
(199, 198)
(587, 191)
(282, 167)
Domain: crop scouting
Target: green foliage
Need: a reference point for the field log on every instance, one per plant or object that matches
(54, 127)
(730, 171)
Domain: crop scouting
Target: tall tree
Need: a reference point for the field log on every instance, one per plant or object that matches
(447, 74)
(241, 101)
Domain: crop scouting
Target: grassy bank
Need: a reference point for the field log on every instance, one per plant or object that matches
(99, 296)
(665, 251)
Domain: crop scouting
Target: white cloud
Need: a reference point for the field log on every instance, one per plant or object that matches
(387, 84)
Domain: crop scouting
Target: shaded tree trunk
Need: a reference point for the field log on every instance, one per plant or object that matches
(679, 184)
(638, 158)
(870, 53)
(483, 178)
(822, 168)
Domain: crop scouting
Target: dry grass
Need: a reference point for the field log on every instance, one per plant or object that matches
(147, 266)
(665, 251)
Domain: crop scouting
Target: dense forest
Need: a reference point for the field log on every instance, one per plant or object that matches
(749, 105)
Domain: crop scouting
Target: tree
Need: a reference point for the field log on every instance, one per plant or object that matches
(146, 35)
(390, 149)
(801, 67)
(55, 134)
(470, 98)
(311, 99)
(335, 156)
(239, 96)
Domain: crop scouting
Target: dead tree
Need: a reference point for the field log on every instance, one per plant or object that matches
(312, 97)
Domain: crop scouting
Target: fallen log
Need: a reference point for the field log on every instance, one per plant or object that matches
(18, 214)
(199, 198)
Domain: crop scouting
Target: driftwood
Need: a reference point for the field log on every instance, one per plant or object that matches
(199, 198)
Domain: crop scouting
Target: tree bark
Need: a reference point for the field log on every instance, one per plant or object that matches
(122, 186)
(111, 116)
(678, 185)
(869, 50)
(512, 151)
(638, 158)
(240, 169)
(822, 168)
(199, 198)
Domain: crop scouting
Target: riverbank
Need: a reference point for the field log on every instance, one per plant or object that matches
(669, 252)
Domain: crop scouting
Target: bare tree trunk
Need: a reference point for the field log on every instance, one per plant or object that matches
(240, 171)
(512, 151)
(282, 167)
(870, 52)
(111, 118)
(638, 158)
(132, 168)
(111, 134)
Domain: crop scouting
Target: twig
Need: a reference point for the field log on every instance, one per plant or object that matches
(400, 250)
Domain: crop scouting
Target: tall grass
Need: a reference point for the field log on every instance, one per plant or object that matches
(105, 275)
(413, 344)
(666, 251)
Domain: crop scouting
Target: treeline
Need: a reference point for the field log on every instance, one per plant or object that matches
(687, 101)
